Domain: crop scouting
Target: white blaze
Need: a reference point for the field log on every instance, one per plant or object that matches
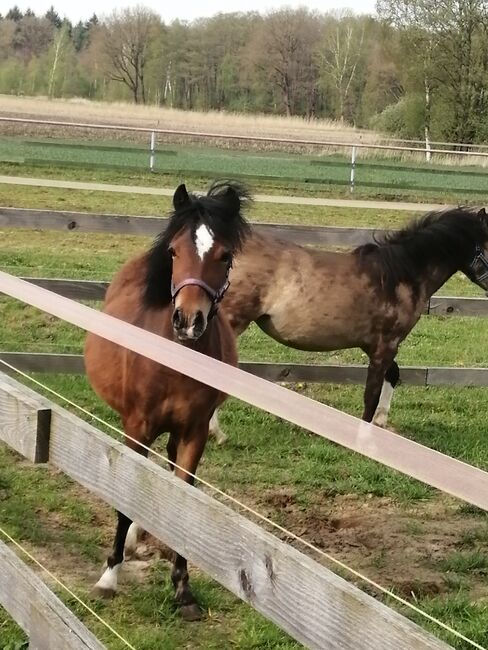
(203, 240)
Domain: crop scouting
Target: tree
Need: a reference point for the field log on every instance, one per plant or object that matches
(127, 36)
(447, 41)
(14, 14)
(340, 57)
(33, 37)
(53, 17)
(283, 48)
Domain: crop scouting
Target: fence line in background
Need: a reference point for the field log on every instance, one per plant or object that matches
(95, 290)
(51, 362)
(255, 138)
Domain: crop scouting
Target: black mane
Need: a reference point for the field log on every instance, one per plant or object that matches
(220, 210)
(447, 238)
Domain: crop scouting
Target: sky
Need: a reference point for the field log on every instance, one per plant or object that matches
(184, 9)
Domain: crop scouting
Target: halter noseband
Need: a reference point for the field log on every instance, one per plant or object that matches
(479, 265)
(214, 295)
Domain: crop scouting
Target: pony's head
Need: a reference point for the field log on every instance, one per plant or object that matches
(190, 261)
(477, 267)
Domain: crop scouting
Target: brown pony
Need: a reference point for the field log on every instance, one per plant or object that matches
(369, 298)
(172, 290)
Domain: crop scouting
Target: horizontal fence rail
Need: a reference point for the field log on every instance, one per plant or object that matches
(95, 290)
(431, 467)
(43, 362)
(152, 226)
(49, 624)
(307, 600)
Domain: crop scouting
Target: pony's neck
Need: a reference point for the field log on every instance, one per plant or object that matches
(435, 277)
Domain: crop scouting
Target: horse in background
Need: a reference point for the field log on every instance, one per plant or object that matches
(369, 298)
(172, 290)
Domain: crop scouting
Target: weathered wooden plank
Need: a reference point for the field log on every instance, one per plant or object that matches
(304, 598)
(49, 624)
(277, 372)
(151, 226)
(74, 289)
(457, 376)
(93, 290)
(432, 467)
(25, 422)
(43, 362)
(458, 306)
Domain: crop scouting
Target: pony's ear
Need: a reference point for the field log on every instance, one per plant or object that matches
(180, 197)
(482, 214)
(232, 199)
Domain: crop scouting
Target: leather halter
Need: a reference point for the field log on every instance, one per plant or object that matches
(479, 265)
(214, 295)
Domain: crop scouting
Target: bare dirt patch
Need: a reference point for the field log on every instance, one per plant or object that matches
(398, 546)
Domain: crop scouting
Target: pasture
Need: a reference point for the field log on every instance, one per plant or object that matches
(430, 549)
(316, 173)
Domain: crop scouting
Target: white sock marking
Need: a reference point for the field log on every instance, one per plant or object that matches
(383, 408)
(215, 430)
(203, 240)
(131, 539)
(109, 578)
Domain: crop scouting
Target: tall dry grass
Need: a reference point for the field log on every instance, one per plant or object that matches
(167, 118)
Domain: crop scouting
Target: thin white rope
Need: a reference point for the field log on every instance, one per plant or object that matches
(258, 515)
(67, 589)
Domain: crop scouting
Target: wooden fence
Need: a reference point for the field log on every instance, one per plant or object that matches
(48, 623)
(304, 598)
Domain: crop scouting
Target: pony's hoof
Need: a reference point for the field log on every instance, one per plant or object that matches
(191, 612)
(222, 439)
(102, 592)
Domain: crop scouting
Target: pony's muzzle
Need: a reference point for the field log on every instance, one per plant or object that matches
(188, 327)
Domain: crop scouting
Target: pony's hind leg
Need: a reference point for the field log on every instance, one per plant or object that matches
(390, 382)
(378, 365)
(215, 430)
(190, 447)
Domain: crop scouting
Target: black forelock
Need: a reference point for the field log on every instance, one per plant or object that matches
(445, 237)
(221, 210)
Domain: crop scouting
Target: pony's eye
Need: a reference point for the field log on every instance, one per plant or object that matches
(226, 258)
(171, 251)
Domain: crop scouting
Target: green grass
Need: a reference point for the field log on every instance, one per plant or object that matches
(276, 172)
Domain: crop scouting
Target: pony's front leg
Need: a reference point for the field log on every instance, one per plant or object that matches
(189, 451)
(106, 587)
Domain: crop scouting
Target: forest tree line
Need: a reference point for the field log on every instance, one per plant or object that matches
(418, 69)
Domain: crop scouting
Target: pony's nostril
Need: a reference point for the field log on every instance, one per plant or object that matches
(199, 321)
(177, 318)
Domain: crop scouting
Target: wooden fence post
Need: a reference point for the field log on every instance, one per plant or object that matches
(26, 420)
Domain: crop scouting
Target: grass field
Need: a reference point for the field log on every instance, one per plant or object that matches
(429, 548)
(290, 172)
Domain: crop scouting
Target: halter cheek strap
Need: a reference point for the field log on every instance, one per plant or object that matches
(479, 265)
